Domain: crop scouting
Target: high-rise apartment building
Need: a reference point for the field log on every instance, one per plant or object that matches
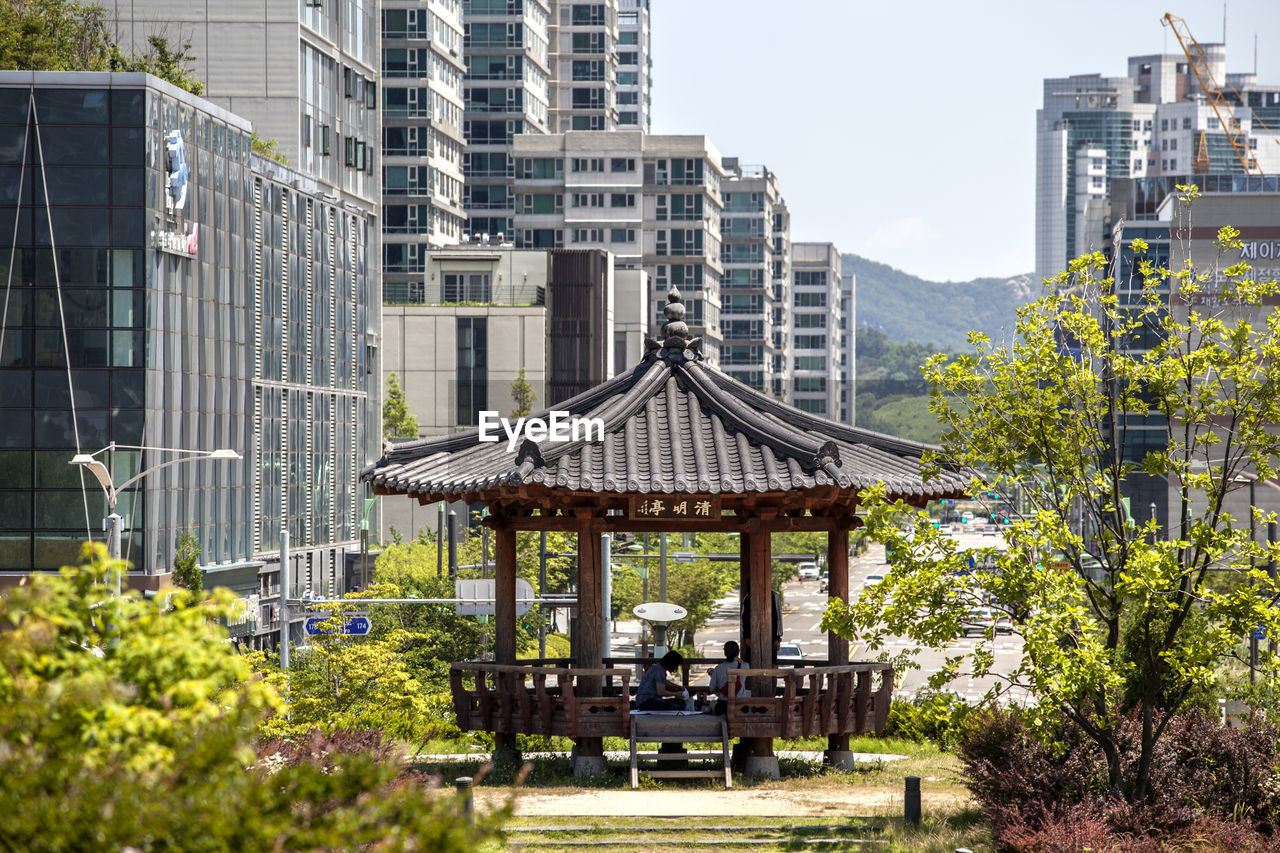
(422, 140)
(755, 236)
(652, 200)
(817, 336)
(584, 65)
(1153, 121)
(849, 349)
(782, 301)
(635, 66)
(304, 73)
(506, 52)
(174, 291)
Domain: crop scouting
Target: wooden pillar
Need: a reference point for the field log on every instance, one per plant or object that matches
(744, 583)
(760, 569)
(838, 647)
(589, 653)
(760, 572)
(504, 627)
(504, 608)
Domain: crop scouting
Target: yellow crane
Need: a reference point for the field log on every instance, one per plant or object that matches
(1213, 92)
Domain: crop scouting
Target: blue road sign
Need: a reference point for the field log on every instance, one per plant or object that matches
(356, 626)
(1260, 632)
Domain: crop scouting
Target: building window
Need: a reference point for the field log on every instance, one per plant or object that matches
(810, 342)
(467, 287)
(473, 369)
(810, 384)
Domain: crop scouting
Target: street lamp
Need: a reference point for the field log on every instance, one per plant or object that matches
(105, 476)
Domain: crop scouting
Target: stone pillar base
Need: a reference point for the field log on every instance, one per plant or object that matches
(585, 766)
(764, 765)
(505, 753)
(840, 759)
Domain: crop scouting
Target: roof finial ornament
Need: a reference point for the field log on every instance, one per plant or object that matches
(676, 344)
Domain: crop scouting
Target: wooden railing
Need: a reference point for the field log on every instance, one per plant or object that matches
(540, 700)
(532, 698)
(817, 700)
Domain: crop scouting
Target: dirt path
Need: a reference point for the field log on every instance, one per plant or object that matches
(832, 801)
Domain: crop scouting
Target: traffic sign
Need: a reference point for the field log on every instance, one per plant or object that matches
(1260, 632)
(477, 596)
(355, 625)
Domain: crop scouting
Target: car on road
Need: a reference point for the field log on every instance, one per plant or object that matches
(824, 582)
(983, 620)
(789, 652)
(872, 580)
(807, 571)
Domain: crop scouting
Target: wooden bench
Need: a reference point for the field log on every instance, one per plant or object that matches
(686, 728)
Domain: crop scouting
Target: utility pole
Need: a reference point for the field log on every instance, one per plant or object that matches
(662, 566)
(1271, 570)
(439, 539)
(284, 598)
(606, 590)
(453, 545)
(542, 591)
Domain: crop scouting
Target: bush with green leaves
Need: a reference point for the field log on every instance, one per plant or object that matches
(129, 723)
(931, 716)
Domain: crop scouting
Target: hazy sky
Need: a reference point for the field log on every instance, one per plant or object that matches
(905, 131)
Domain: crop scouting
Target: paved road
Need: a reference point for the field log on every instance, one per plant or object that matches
(802, 615)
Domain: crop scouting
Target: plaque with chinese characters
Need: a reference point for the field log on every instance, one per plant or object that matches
(676, 506)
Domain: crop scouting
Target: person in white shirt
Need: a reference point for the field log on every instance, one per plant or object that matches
(720, 679)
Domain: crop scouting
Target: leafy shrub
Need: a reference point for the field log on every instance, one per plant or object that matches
(933, 716)
(1047, 790)
(129, 723)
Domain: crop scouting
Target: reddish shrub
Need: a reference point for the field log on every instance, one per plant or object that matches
(324, 750)
(1094, 827)
(1205, 779)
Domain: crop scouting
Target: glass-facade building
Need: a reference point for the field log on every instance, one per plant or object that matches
(168, 288)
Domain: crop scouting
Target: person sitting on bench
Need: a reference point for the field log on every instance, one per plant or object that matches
(720, 679)
(658, 693)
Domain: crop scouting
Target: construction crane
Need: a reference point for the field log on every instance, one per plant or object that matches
(1222, 108)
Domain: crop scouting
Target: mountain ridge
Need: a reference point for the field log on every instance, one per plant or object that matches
(889, 299)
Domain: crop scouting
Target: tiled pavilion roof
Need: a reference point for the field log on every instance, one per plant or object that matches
(672, 424)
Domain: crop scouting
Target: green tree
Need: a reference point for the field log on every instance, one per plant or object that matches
(62, 35)
(53, 35)
(397, 421)
(129, 724)
(1149, 623)
(522, 396)
(186, 563)
(161, 61)
(343, 683)
(269, 148)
